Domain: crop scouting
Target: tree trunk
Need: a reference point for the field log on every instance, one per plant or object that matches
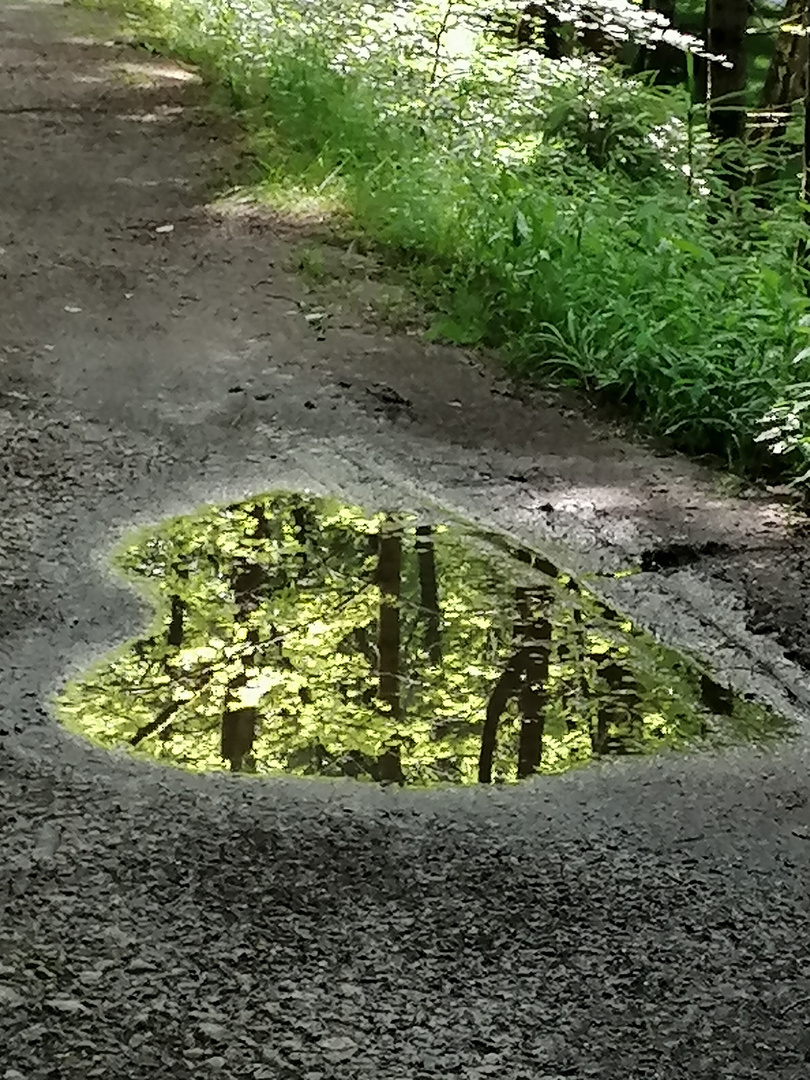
(524, 678)
(389, 573)
(665, 60)
(238, 723)
(174, 635)
(727, 21)
(806, 141)
(429, 592)
(505, 688)
(575, 690)
(238, 732)
(619, 707)
(534, 691)
(784, 82)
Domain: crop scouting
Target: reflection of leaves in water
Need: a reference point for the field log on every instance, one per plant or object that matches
(299, 634)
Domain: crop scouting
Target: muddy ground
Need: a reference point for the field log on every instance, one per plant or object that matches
(642, 920)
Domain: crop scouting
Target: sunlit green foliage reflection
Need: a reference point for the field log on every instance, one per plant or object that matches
(298, 634)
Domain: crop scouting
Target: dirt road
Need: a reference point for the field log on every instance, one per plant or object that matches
(647, 920)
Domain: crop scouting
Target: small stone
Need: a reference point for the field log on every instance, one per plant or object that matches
(10, 998)
(214, 1031)
(340, 1046)
(89, 978)
(65, 1005)
(141, 965)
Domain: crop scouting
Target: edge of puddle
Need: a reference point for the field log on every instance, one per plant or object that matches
(685, 611)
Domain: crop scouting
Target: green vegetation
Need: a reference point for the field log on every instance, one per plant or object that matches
(298, 634)
(562, 210)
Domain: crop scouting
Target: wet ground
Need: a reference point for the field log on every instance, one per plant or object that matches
(645, 918)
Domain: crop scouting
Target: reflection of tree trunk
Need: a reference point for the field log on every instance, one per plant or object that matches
(388, 767)
(524, 677)
(300, 518)
(599, 737)
(534, 691)
(238, 726)
(161, 721)
(716, 698)
(576, 689)
(429, 592)
(163, 717)
(238, 731)
(174, 635)
(359, 640)
(261, 530)
(505, 688)
(389, 579)
(389, 572)
(619, 707)
(302, 525)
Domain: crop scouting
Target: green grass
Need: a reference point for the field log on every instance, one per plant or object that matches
(543, 221)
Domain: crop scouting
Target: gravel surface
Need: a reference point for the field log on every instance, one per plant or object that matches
(641, 919)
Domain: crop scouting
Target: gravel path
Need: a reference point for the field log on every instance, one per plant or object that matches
(647, 919)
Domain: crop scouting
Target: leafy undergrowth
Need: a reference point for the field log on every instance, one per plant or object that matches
(557, 210)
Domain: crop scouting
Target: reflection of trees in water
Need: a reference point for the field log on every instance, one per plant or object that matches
(524, 678)
(299, 634)
(248, 580)
(388, 581)
(429, 593)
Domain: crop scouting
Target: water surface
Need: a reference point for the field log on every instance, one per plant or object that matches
(296, 634)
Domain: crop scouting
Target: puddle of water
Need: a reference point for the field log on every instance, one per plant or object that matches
(296, 634)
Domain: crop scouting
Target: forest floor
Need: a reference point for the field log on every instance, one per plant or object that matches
(158, 350)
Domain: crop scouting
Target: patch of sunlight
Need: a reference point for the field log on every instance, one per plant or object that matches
(150, 117)
(157, 72)
(298, 205)
(175, 181)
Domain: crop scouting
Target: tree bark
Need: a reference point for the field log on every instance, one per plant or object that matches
(785, 80)
(802, 247)
(619, 707)
(238, 732)
(524, 678)
(238, 722)
(534, 690)
(668, 62)
(174, 635)
(505, 688)
(727, 21)
(429, 592)
(389, 573)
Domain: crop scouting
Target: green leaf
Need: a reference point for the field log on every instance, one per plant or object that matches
(521, 230)
(445, 328)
